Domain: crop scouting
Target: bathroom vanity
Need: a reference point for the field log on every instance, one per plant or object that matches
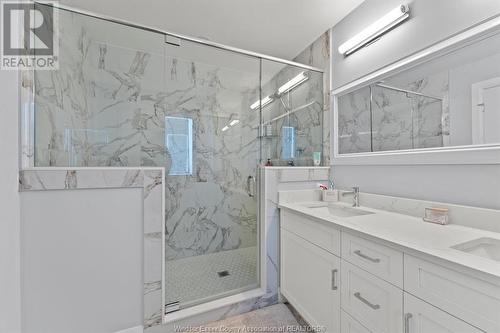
(372, 270)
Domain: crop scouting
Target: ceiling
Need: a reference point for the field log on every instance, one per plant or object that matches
(281, 28)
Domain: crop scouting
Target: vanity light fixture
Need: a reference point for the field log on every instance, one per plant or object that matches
(295, 82)
(266, 100)
(375, 30)
(231, 124)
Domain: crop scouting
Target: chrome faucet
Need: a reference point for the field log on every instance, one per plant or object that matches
(355, 194)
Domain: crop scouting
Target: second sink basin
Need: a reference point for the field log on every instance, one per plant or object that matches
(482, 247)
(338, 210)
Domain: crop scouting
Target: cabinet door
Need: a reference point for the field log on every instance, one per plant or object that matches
(310, 281)
(421, 317)
(349, 325)
(464, 296)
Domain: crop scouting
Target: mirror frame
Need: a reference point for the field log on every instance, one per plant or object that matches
(470, 154)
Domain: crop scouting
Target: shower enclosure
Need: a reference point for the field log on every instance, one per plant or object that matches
(124, 96)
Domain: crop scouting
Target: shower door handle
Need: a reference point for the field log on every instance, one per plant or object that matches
(251, 186)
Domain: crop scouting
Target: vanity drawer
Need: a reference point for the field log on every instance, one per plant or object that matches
(349, 325)
(326, 237)
(379, 260)
(473, 300)
(373, 302)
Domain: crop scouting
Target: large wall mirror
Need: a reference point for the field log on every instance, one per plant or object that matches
(444, 100)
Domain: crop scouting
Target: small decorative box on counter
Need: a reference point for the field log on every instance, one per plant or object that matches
(330, 195)
(436, 215)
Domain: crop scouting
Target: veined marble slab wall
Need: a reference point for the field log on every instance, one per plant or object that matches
(151, 181)
(210, 210)
(318, 55)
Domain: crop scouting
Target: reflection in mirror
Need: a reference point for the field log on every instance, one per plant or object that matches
(292, 114)
(451, 100)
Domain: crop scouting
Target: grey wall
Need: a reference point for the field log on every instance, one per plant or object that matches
(430, 22)
(10, 319)
(81, 260)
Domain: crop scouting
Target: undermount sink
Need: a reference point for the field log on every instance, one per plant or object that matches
(483, 247)
(338, 210)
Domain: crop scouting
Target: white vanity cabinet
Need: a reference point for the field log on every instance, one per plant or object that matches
(310, 278)
(354, 283)
(374, 302)
(421, 317)
(380, 260)
(474, 300)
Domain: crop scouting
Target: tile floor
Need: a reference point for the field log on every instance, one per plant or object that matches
(201, 278)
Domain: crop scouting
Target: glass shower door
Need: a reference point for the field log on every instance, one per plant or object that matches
(211, 136)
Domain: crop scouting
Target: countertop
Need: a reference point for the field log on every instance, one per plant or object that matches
(409, 233)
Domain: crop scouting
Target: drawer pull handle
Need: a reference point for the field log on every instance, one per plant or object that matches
(334, 279)
(407, 322)
(364, 256)
(364, 300)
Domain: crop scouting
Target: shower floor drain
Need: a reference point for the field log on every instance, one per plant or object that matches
(223, 273)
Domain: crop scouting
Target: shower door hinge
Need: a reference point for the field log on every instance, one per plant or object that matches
(175, 41)
(172, 307)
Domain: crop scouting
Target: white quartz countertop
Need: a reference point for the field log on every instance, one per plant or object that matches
(410, 233)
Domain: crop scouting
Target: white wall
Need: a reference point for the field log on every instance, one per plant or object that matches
(82, 260)
(430, 21)
(461, 80)
(9, 205)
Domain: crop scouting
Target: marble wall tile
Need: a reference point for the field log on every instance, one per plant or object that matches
(474, 217)
(317, 55)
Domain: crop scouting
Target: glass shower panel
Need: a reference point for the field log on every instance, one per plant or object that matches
(211, 205)
(99, 107)
(292, 114)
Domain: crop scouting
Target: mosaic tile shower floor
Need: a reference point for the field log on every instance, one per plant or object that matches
(198, 279)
